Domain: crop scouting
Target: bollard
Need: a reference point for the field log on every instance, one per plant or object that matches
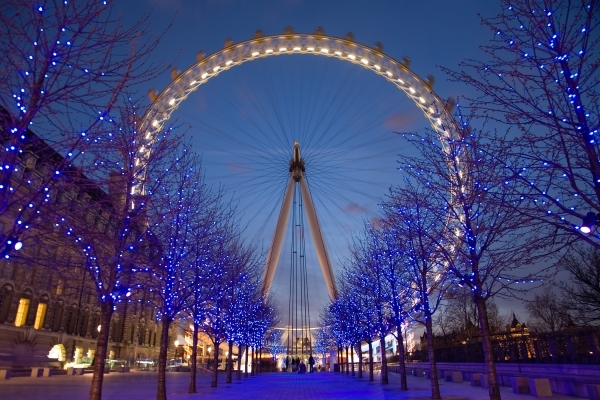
(540, 387)
(520, 385)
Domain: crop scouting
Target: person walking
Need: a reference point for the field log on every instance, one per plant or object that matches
(311, 363)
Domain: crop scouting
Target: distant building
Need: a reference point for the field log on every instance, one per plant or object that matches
(516, 328)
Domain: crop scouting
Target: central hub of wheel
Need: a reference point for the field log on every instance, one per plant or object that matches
(297, 163)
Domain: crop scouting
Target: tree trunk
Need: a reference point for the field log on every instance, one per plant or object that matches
(360, 366)
(252, 364)
(488, 352)
(192, 388)
(246, 371)
(435, 386)
(347, 361)
(384, 372)
(239, 363)
(257, 362)
(401, 358)
(352, 359)
(371, 378)
(161, 393)
(339, 360)
(101, 349)
(230, 363)
(215, 374)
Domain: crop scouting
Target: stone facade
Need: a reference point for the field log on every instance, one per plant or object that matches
(40, 313)
(49, 308)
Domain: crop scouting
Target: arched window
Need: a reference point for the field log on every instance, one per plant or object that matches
(84, 321)
(141, 339)
(95, 324)
(115, 333)
(57, 315)
(71, 323)
(22, 312)
(23, 309)
(40, 314)
(6, 293)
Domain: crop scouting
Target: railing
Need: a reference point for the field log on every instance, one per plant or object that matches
(581, 346)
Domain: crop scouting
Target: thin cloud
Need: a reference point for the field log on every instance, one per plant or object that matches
(354, 208)
(402, 119)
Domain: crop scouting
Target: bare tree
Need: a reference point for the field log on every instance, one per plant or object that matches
(66, 65)
(412, 215)
(365, 272)
(498, 322)
(233, 263)
(546, 313)
(458, 316)
(486, 244)
(396, 274)
(244, 306)
(112, 237)
(180, 205)
(541, 75)
(217, 225)
(352, 317)
(581, 296)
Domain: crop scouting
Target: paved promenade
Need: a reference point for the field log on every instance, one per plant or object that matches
(266, 386)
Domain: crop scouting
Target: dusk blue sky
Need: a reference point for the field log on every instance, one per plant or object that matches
(245, 120)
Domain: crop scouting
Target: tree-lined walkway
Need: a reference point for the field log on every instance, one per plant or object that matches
(267, 386)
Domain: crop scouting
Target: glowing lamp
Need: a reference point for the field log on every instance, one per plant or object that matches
(588, 222)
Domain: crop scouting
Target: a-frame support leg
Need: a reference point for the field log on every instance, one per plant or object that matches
(275, 250)
(317, 235)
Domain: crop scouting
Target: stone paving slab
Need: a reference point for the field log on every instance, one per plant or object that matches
(267, 386)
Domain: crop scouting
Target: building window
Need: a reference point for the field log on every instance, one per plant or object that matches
(5, 300)
(40, 315)
(94, 328)
(82, 329)
(72, 316)
(22, 312)
(60, 286)
(57, 317)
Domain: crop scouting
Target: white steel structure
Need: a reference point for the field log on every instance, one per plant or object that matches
(297, 172)
(289, 43)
